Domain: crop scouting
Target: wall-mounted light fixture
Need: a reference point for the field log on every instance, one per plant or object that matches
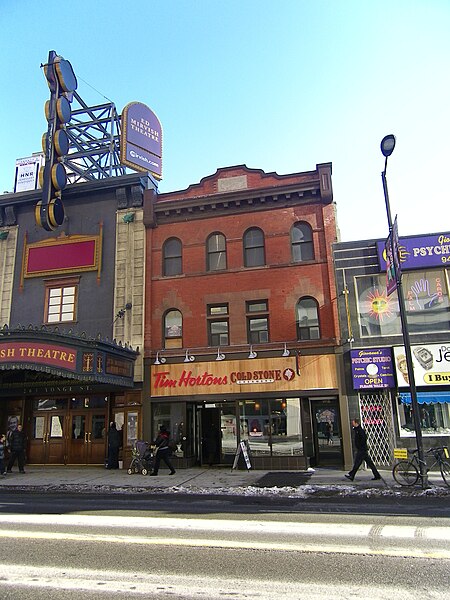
(220, 355)
(122, 311)
(159, 360)
(252, 354)
(285, 351)
(189, 357)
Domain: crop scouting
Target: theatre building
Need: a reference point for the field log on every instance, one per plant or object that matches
(241, 329)
(376, 376)
(71, 320)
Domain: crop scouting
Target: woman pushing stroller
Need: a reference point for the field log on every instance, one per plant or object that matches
(162, 451)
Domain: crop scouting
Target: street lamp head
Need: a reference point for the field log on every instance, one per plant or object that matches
(388, 145)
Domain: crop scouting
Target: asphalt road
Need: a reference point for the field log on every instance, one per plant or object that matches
(60, 502)
(100, 547)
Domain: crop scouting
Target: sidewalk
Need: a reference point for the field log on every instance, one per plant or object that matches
(215, 481)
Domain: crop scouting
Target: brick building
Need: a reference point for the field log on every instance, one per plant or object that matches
(241, 329)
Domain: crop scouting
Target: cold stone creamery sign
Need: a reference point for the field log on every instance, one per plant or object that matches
(33, 352)
(231, 377)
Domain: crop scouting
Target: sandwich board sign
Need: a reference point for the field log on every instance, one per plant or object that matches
(245, 451)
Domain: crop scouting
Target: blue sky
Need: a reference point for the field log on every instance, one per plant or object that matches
(278, 86)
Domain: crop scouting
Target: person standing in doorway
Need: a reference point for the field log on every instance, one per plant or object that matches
(2, 454)
(114, 443)
(162, 451)
(17, 445)
(362, 453)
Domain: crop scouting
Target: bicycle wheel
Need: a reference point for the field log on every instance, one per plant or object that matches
(445, 472)
(405, 473)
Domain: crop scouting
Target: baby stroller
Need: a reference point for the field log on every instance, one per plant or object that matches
(141, 458)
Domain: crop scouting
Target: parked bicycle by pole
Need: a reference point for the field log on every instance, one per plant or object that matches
(408, 472)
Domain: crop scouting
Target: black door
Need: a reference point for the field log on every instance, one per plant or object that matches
(327, 433)
(211, 436)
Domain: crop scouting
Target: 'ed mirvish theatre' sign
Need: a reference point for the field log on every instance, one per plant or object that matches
(33, 352)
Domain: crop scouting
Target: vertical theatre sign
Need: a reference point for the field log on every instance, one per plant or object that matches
(141, 139)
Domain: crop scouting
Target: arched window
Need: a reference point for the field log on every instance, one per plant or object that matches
(307, 319)
(172, 257)
(216, 252)
(254, 255)
(173, 329)
(302, 242)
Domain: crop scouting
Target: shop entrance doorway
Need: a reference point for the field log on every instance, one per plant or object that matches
(63, 435)
(218, 434)
(211, 437)
(327, 433)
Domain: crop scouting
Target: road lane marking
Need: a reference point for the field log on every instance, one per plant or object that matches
(353, 530)
(149, 585)
(286, 546)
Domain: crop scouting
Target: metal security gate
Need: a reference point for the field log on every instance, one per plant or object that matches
(376, 419)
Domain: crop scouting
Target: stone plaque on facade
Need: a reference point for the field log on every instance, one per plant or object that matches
(231, 184)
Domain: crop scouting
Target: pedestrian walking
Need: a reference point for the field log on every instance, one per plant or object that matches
(2, 454)
(114, 443)
(17, 446)
(362, 453)
(329, 432)
(162, 451)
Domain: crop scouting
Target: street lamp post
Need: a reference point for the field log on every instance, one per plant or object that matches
(387, 147)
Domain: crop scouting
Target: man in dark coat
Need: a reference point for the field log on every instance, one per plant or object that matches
(362, 453)
(17, 445)
(114, 443)
(162, 451)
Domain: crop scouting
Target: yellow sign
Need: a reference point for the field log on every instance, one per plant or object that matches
(400, 453)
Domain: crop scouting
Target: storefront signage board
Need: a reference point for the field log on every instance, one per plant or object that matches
(419, 252)
(372, 368)
(34, 352)
(431, 365)
(231, 377)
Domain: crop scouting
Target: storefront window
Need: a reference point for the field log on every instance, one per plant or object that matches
(254, 422)
(272, 427)
(286, 427)
(426, 303)
(50, 404)
(132, 428)
(434, 419)
(171, 417)
(229, 431)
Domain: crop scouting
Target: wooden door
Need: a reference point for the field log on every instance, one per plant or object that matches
(87, 445)
(48, 440)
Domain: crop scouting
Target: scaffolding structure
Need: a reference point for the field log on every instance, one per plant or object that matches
(94, 137)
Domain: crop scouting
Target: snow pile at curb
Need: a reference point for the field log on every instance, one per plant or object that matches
(301, 492)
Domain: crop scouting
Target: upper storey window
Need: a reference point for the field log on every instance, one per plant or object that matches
(254, 253)
(302, 242)
(307, 319)
(172, 257)
(216, 257)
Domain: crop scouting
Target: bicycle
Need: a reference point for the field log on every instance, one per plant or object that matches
(407, 472)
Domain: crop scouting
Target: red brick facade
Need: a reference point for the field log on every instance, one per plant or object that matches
(269, 201)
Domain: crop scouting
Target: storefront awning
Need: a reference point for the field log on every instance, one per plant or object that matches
(425, 397)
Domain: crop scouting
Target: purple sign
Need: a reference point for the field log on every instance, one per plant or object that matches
(420, 252)
(372, 368)
(141, 139)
